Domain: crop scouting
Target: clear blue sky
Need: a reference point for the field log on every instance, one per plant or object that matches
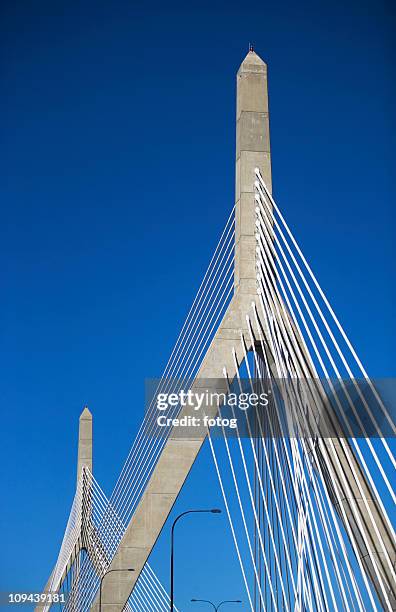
(117, 176)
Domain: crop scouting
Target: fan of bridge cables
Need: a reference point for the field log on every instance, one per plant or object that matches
(307, 480)
(90, 541)
(206, 312)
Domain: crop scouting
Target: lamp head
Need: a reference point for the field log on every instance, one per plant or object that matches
(216, 511)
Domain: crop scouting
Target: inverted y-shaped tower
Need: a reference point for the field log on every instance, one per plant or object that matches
(178, 455)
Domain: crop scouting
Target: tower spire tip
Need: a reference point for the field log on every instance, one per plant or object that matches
(86, 413)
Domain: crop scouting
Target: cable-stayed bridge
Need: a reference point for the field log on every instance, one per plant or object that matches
(307, 480)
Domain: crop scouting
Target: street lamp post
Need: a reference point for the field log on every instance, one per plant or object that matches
(129, 569)
(213, 511)
(218, 605)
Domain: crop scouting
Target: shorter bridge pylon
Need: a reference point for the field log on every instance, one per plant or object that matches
(81, 535)
(85, 442)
